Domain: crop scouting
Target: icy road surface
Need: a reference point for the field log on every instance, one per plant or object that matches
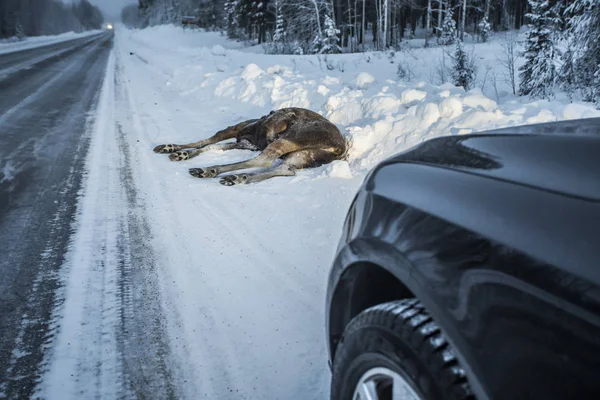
(47, 99)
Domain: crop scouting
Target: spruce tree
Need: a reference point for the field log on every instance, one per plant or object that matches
(567, 75)
(463, 68)
(278, 46)
(448, 29)
(581, 63)
(538, 74)
(484, 29)
(328, 41)
(231, 20)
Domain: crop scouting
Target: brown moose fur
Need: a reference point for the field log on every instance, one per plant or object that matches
(301, 138)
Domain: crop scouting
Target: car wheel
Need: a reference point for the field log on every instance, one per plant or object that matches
(396, 351)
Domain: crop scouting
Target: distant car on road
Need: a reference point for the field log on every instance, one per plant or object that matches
(469, 268)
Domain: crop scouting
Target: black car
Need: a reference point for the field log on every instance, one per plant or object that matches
(469, 267)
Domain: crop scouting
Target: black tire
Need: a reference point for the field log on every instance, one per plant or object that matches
(402, 337)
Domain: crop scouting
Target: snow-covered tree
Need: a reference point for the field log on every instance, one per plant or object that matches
(463, 68)
(258, 18)
(22, 18)
(279, 44)
(279, 34)
(440, 5)
(484, 29)
(448, 29)
(538, 74)
(567, 75)
(231, 18)
(328, 41)
(581, 63)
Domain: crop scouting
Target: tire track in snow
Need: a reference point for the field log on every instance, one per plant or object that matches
(143, 347)
(182, 377)
(109, 330)
(178, 261)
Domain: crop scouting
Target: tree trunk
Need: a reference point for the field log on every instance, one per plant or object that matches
(428, 21)
(362, 39)
(333, 17)
(318, 17)
(355, 30)
(375, 29)
(377, 37)
(439, 21)
(385, 23)
(462, 24)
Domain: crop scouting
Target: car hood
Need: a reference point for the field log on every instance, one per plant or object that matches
(557, 163)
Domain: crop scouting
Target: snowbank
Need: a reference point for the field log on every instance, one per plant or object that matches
(381, 119)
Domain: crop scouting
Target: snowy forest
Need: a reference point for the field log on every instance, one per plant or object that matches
(560, 50)
(21, 18)
(384, 22)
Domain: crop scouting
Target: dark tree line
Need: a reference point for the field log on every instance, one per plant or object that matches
(361, 23)
(47, 17)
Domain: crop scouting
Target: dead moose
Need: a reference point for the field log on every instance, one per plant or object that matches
(300, 138)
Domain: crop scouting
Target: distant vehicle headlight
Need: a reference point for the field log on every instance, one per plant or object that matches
(109, 26)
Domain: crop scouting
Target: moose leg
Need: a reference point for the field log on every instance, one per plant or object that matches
(297, 160)
(227, 133)
(240, 179)
(186, 155)
(264, 160)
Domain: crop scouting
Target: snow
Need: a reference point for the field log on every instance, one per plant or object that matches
(86, 343)
(242, 270)
(363, 80)
(218, 50)
(170, 37)
(9, 46)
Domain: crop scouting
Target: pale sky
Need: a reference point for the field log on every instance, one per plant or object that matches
(112, 8)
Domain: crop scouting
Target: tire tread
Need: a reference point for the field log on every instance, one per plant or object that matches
(408, 320)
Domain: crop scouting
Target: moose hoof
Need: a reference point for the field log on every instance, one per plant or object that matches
(179, 156)
(203, 173)
(164, 148)
(231, 180)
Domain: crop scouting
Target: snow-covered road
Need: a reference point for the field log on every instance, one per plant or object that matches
(177, 287)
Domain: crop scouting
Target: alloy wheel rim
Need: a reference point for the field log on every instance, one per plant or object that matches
(384, 384)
